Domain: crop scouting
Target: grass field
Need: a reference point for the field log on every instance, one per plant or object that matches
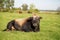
(49, 27)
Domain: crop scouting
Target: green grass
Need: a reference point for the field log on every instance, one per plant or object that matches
(49, 27)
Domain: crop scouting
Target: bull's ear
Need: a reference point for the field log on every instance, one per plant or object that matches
(40, 17)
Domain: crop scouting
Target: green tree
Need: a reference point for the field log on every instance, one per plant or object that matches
(24, 7)
(1, 4)
(36, 10)
(6, 4)
(9, 4)
(32, 8)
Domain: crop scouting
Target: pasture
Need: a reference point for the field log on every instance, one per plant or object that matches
(49, 27)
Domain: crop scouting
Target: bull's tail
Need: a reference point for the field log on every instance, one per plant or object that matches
(9, 25)
(5, 30)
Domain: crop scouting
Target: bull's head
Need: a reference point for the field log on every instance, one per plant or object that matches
(36, 20)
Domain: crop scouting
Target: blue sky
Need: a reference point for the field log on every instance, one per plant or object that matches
(40, 4)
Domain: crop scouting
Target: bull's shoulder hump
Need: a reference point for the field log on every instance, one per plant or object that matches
(21, 21)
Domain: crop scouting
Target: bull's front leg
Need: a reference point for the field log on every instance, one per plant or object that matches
(37, 29)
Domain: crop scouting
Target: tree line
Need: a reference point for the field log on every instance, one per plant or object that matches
(8, 5)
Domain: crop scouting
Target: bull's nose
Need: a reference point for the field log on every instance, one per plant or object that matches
(34, 24)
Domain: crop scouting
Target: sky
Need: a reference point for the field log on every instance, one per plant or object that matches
(39, 4)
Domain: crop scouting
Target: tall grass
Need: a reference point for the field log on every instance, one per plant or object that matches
(49, 27)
